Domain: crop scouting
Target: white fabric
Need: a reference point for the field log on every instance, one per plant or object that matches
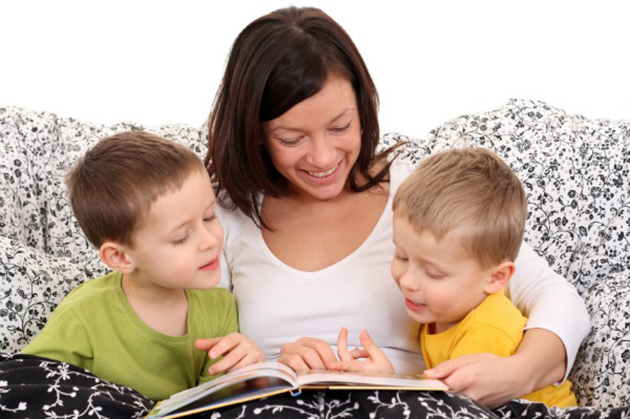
(278, 304)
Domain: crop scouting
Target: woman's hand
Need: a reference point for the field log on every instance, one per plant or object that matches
(308, 354)
(237, 351)
(369, 359)
(493, 380)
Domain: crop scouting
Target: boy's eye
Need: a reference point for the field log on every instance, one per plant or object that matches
(210, 218)
(181, 240)
(434, 275)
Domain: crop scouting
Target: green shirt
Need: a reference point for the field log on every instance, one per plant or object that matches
(96, 328)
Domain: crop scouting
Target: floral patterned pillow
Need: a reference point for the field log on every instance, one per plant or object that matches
(32, 284)
(576, 173)
(43, 253)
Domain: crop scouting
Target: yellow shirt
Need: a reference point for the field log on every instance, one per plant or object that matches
(495, 326)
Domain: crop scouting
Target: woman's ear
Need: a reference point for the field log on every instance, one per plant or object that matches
(499, 277)
(117, 257)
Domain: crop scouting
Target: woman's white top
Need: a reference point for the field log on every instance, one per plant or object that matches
(278, 304)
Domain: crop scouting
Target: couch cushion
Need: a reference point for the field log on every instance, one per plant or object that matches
(36, 151)
(602, 365)
(32, 285)
(576, 173)
(43, 253)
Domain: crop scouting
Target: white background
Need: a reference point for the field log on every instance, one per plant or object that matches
(158, 62)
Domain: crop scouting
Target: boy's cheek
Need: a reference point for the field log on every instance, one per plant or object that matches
(396, 272)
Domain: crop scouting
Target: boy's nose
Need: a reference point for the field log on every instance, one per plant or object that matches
(407, 281)
(208, 240)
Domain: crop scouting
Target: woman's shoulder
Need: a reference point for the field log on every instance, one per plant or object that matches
(398, 172)
(231, 217)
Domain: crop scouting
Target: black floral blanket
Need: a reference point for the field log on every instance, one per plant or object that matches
(34, 387)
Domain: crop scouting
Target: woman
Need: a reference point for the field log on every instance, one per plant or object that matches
(308, 222)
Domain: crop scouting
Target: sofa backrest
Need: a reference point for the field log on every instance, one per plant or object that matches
(575, 172)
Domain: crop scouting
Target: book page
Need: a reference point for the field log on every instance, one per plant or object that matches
(371, 380)
(246, 382)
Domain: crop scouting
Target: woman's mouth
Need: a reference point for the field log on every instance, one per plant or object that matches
(324, 174)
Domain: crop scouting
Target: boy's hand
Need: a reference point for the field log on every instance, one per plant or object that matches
(237, 350)
(369, 359)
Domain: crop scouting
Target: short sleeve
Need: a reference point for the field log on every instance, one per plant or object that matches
(64, 338)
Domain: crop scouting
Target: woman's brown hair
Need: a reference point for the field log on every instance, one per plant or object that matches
(276, 62)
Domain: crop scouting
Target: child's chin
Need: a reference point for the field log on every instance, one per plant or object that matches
(207, 284)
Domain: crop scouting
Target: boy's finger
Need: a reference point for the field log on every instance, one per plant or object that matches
(353, 366)
(225, 344)
(206, 344)
(342, 345)
(226, 363)
(359, 353)
(368, 344)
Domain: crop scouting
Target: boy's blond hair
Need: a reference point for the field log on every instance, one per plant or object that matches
(115, 182)
(470, 190)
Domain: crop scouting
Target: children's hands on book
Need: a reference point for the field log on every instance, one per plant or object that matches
(486, 378)
(307, 354)
(237, 351)
(369, 359)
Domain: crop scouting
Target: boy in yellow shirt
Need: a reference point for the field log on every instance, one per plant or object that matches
(459, 221)
(147, 204)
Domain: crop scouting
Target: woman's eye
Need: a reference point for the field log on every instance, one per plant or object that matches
(290, 143)
(210, 218)
(342, 129)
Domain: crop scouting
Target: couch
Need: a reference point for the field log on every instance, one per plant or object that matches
(575, 170)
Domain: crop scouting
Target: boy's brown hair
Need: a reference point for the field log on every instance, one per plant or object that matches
(115, 182)
(471, 190)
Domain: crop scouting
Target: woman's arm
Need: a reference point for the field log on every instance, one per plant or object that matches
(558, 321)
(551, 303)
(493, 380)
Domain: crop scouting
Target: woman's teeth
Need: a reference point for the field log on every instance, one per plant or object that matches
(324, 174)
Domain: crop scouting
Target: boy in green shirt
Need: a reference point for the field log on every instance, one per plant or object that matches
(147, 204)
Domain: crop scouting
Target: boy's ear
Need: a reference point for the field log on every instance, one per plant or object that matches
(499, 277)
(116, 256)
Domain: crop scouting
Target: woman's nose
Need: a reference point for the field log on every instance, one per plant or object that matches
(322, 154)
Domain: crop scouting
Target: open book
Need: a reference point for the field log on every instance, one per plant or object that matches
(268, 378)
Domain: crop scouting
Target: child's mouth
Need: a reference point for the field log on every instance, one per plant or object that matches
(413, 306)
(212, 266)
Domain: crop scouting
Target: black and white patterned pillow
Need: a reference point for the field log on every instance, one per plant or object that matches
(32, 285)
(576, 173)
(43, 253)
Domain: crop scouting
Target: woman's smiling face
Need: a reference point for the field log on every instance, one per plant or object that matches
(315, 143)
